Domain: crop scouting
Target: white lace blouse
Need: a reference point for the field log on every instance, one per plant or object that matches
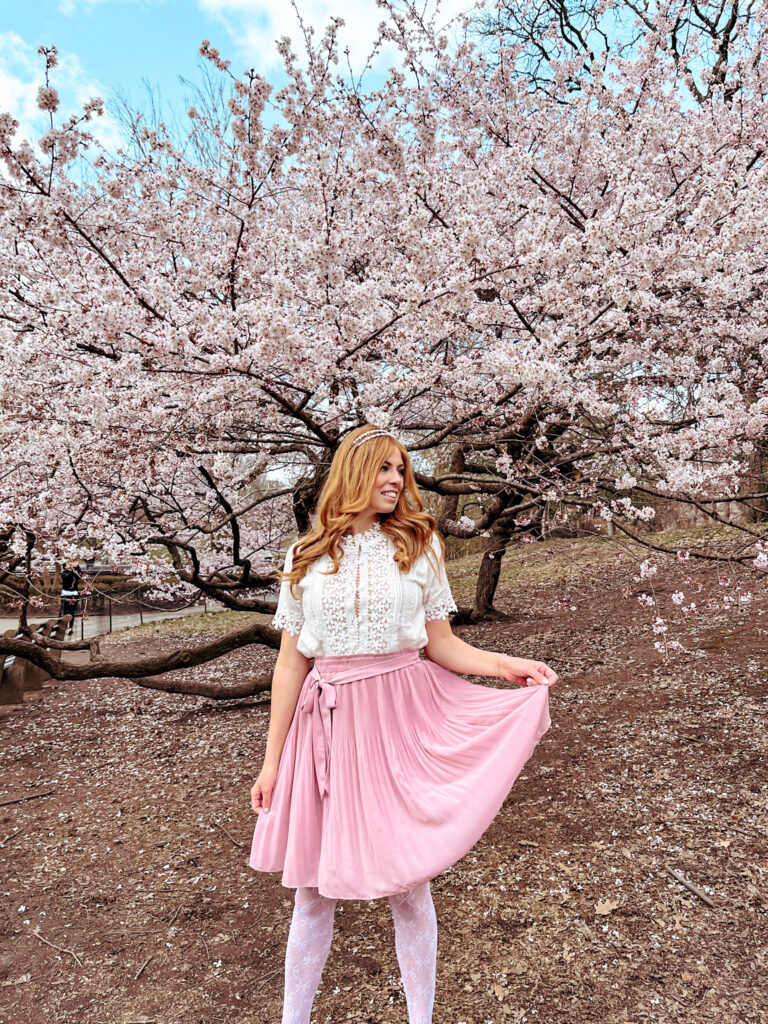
(369, 606)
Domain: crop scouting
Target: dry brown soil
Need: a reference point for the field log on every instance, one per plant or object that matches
(127, 897)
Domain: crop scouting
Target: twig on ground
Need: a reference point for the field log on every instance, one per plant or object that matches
(268, 977)
(141, 969)
(689, 885)
(235, 841)
(61, 949)
(176, 914)
(29, 796)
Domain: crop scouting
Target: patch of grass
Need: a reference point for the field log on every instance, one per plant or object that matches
(200, 622)
(567, 560)
(569, 555)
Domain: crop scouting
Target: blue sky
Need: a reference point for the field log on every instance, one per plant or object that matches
(106, 45)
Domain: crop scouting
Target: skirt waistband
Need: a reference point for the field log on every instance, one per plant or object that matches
(346, 668)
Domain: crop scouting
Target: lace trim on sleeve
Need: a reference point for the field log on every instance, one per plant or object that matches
(438, 599)
(440, 610)
(289, 613)
(283, 620)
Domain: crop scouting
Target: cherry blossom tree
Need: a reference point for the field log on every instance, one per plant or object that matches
(554, 296)
(706, 40)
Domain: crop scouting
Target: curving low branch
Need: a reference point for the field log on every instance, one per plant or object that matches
(133, 669)
(213, 691)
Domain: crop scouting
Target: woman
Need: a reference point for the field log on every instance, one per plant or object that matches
(70, 594)
(381, 769)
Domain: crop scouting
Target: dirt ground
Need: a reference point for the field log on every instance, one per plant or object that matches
(125, 829)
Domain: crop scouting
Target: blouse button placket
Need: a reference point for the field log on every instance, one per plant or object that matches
(355, 625)
(357, 591)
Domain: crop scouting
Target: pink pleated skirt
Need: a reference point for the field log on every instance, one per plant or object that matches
(392, 769)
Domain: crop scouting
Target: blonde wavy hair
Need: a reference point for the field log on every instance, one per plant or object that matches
(347, 491)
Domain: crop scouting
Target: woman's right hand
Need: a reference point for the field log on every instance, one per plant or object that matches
(261, 790)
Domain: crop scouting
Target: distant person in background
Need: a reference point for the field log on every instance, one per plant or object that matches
(70, 591)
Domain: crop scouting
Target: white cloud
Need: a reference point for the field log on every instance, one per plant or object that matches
(22, 72)
(19, 80)
(255, 25)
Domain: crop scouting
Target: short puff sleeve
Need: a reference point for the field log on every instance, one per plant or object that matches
(289, 613)
(438, 599)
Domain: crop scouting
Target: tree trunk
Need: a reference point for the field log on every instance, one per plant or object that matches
(490, 569)
(756, 482)
(308, 491)
(456, 465)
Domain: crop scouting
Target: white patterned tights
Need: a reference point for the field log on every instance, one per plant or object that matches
(309, 942)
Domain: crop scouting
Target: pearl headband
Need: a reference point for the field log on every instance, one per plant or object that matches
(371, 433)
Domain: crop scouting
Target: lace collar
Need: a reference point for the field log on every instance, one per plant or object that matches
(371, 534)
